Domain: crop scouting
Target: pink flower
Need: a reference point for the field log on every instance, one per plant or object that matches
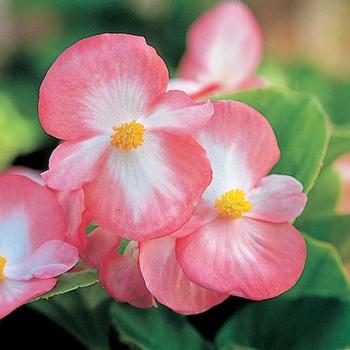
(33, 250)
(72, 204)
(126, 140)
(224, 49)
(240, 240)
(342, 167)
(121, 277)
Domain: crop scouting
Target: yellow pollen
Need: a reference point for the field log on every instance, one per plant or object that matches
(128, 136)
(2, 267)
(233, 204)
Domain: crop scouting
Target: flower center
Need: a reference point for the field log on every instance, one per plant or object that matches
(128, 136)
(2, 267)
(233, 204)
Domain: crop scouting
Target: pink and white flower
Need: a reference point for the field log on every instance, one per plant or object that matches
(224, 49)
(126, 140)
(241, 241)
(33, 250)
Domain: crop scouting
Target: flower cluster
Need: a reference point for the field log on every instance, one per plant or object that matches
(179, 189)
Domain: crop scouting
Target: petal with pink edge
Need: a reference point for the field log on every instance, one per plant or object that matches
(167, 282)
(13, 294)
(224, 46)
(120, 275)
(241, 147)
(72, 164)
(152, 190)
(243, 257)
(193, 88)
(29, 216)
(99, 244)
(73, 206)
(277, 198)
(51, 259)
(95, 85)
(178, 114)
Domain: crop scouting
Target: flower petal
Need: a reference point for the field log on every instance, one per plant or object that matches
(73, 207)
(29, 216)
(98, 83)
(51, 259)
(152, 190)
(243, 257)
(121, 277)
(168, 283)
(13, 294)
(241, 147)
(72, 164)
(178, 114)
(193, 88)
(99, 244)
(342, 167)
(224, 46)
(277, 198)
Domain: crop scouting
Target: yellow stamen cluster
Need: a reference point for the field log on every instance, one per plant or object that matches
(2, 267)
(233, 204)
(128, 136)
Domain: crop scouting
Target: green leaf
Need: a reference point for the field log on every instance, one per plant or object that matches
(301, 128)
(72, 280)
(323, 198)
(324, 274)
(300, 324)
(315, 314)
(334, 229)
(81, 313)
(339, 143)
(155, 329)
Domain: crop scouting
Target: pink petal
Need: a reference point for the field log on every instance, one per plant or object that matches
(224, 46)
(193, 88)
(72, 164)
(99, 244)
(178, 114)
(243, 257)
(241, 147)
(342, 167)
(13, 294)
(151, 191)
(277, 198)
(253, 83)
(51, 259)
(168, 283)
(98, 83)
(73, 207)
(29, 216)
(121, 277)
(31, 174)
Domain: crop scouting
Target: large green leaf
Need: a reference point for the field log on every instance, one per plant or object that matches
(71, 281)
(300, 324)
(339, 143)
(82, 313)
(324, 274)
(301, 127)
(315, 314)
(155, 329)
(331, 228)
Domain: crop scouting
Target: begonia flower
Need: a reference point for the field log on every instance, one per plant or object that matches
(241, 241)
(72, 204)
(167, 282)
(224, 49)
(121, 277)
(33, 251)
(126, 140)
